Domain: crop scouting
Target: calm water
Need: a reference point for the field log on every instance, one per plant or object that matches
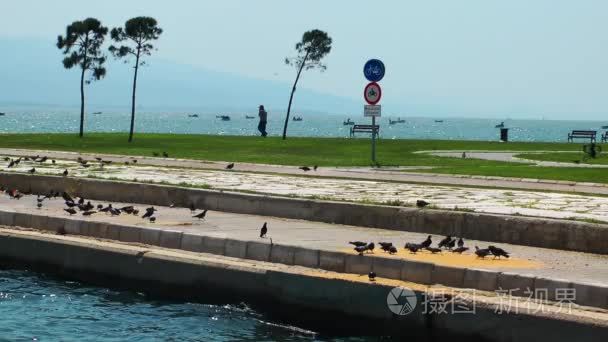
(38, 307)
(315, 125)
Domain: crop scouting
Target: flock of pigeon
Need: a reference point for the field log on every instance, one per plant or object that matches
(448, 243)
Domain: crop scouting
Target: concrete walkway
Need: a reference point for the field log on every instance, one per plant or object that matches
(498, 201)
(511, 157)
(571, 266)
(362, 173)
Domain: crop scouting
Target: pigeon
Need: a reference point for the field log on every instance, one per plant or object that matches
(42, 160)
(128, 209)
(459, 250)
(433, 250)
(304, 168)
(392, 250)
(481, 253)
(53, 161)
(114, 212)
(165, 154)
(85, 166)
(67, 197)
(152, 219)
(421, 203)
(385, 246)
(372, 276)
(149, 212)
(451, 244)
(70, 211)
(264, 230)
(39, 205)
(445, 241)
(7, 158)
(89, 212)
(107, 162)
(426, 243)
(32, 170)
(126, 163)
(460, 243)
(370, 247)
(81, 200)
(230, 166)
(360, 249)
(135, 212)
(315, 167)
(98, 159)
(11, 164)
(65, 173)
(201, 216)
(70, 204)
(134, 161)
(498, 252)
(358, 243)
(155, 154)
(99, 206)
(106, 209)
(412, 247)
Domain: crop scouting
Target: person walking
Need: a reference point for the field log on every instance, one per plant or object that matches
(263, 119)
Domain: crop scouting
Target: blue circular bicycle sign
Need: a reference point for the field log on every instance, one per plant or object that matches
(374, 70)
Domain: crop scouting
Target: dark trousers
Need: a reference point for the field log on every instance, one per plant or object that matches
(262, 128)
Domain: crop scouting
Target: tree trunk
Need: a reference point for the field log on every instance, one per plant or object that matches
(293, 90)
(133, 97)
(82, 102)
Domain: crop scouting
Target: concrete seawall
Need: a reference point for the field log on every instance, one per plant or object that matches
(168, 271)
(588, 294)
(547, 233)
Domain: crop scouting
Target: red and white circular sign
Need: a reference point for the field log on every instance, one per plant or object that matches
(372, 93)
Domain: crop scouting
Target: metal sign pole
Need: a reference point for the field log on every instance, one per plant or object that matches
(374, 138)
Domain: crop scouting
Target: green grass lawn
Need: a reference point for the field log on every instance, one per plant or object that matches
(310, 151)
(566, 157)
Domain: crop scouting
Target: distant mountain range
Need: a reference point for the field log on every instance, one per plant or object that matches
(31, 73)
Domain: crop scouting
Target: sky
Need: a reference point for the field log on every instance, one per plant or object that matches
(480, 58)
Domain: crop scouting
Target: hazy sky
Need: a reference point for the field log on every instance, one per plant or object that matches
(517, 58)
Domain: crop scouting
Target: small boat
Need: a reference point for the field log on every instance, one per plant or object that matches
(297, 118)
(392, 122)
(97, 112)
(348, 122)
(249, 117)
(603, 127)
(501, 125)
(438, 121)
(2, 114)
(223, 117)
(193, 115)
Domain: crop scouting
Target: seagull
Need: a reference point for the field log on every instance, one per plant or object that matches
(304, 168)
(264, 230)
(230, 166)
(201, 215)
(481, 253)
(498, 252)
(70, 211)
(421, 203)
(372, 276)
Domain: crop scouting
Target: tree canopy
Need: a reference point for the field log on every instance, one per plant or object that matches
(315, 45)
(141, 31)
(82, 46)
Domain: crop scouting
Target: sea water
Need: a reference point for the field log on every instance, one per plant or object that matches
(66, 120)
(39, 307)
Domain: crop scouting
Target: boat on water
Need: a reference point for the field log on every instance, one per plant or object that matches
(392, 122)
(501, 125)
(438, 121)
(193, 115)
(97, 112)
(249, 117)
(605, 127)
(348, 122)
(2, 114)
(297, 118)
(223, 117)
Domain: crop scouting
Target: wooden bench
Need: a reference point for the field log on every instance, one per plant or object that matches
(605, 137)
(582, 134)
(364, 129)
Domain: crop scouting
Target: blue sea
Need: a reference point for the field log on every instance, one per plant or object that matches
(39, 307)
(66, 120)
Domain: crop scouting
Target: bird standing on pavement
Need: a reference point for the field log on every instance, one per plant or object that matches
(315, 167)
(498, 252)
(370, 247)
(304, 168)
(426, 243)
(433, 250)
(360, 249)
(149, 212)
(264, 230)
(421, 203)
(459, 250)
(412, 247)
(65, 173)
(32, 170)
(392, 250)
(372, 276)
(230, 166)
(481, 253)
(445, 241)
(358, 243)
(165, 154)
(460, 243)
(201, 216)
(70, 211)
